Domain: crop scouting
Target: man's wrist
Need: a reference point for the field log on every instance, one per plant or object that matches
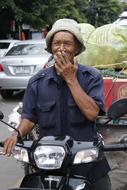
(16, 134)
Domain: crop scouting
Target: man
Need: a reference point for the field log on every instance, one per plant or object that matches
(66, 98)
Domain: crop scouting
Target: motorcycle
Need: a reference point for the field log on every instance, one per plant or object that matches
(52, 157)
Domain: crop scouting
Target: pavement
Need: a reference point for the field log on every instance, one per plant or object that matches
(117, 159)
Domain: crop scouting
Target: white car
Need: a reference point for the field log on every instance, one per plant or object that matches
(21, 62)
(5, 45)
(122, 19)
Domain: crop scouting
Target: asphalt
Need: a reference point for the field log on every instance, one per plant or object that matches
(118, 159)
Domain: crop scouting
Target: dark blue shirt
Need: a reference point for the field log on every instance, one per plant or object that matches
(48, 102)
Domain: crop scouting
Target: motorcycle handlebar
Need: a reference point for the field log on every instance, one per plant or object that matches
(114, 147)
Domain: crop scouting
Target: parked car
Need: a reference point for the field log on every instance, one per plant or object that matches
(21, 62)
(5, 45)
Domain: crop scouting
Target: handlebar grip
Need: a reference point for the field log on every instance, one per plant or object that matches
(115, 147)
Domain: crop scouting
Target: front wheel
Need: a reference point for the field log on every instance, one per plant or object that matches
(6, 94)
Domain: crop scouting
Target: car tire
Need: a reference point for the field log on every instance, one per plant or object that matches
(6, 94)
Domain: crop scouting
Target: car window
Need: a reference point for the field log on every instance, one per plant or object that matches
(27, 49)
(4, 45)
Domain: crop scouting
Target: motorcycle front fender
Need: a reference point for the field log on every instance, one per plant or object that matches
(34, 181)
(31, 181)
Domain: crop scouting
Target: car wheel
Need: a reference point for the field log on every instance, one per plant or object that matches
(6, 94)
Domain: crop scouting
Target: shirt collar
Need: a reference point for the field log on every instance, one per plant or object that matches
(51, 74)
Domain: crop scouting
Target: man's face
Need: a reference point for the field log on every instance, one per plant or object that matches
(64, 42)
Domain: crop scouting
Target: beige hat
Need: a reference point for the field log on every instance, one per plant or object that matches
(65, 24)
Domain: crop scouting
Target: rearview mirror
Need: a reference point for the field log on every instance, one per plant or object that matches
(118, 109)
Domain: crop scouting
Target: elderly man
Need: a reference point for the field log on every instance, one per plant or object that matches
(66, 98)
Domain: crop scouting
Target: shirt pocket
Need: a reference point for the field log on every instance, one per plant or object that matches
(75, 116)
(47, 114)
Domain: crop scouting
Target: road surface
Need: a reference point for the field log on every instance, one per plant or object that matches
(117, 160)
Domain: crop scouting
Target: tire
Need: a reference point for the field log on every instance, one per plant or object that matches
(6, 94)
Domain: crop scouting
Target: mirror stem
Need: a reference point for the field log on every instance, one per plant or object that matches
(19, 135)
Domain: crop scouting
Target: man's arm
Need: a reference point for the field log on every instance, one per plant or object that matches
(85, 103)
(24, 128)
(68, 71)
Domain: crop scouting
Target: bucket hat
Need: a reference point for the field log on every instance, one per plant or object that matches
(68, 25)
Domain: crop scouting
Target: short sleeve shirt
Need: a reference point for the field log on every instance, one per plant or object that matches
(49, 102)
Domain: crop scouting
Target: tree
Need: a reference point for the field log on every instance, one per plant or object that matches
(55, 9)
(40, 13)
(100, 12)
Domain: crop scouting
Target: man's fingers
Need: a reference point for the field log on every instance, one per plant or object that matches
(8, 146)
(61, 58)
(58, 69)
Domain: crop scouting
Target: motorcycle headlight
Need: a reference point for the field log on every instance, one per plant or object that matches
(49, 157)
(20, 154)
(86, 156)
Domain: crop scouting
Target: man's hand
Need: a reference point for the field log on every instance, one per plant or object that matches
(9, 144)
(64, 67)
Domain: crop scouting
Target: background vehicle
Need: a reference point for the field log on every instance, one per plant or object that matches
(115, 88)
(53, 156)
(122, 19)
(5, 45)
(106, 51)
(20, 63)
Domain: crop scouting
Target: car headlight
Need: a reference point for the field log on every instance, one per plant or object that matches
(49, 157)
(86, 156)
(20, 154)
